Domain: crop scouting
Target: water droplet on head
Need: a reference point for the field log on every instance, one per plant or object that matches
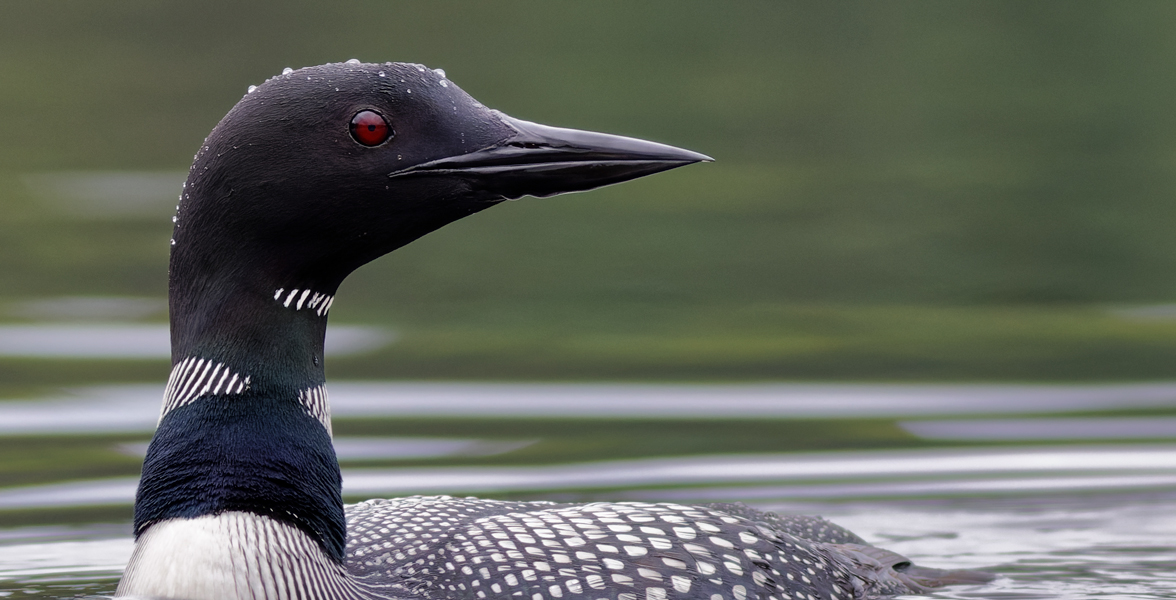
(444, 84)
(381, 74)
(440, 72)
(251, 88)
(410, 91)
(353, 61)
(173, 242)
(287, 71)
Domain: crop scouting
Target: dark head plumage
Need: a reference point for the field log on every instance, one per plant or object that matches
(283, 177)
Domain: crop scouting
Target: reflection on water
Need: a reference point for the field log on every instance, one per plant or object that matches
(393, 448)
(56, 562)
(1067, 428)
(895, 474)
(1073, 548)
(136, 407)
(89, 308)
(1078, 521)
(108, 341)
(1078, 548)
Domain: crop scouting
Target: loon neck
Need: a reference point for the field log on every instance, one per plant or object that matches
(245, 424)
(250, 280)
(273, 326)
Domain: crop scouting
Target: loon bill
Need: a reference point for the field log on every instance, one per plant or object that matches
(312, 174)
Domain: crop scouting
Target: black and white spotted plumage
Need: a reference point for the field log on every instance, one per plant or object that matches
(455, 549)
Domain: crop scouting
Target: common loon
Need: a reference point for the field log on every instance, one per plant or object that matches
(312, 174)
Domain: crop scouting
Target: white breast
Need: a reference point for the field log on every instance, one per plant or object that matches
(233, 556)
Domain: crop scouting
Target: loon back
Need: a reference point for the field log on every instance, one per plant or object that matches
(311, 175)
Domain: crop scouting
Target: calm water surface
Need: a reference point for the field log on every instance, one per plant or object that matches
(1113, 546)
(1066, 519)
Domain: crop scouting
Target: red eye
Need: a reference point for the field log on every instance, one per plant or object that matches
(370, 128)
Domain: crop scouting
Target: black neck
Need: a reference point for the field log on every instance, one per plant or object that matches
(257, 450)
(252, 453)
(240, 322)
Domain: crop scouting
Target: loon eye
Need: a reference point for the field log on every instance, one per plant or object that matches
(370, 128)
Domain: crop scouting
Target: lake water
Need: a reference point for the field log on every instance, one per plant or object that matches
(1115, 546)
(1073, 517)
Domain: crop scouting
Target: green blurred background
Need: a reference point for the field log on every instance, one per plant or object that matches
(909, 191)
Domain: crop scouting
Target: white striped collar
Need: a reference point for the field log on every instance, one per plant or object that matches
(193, 377)
(314, 401)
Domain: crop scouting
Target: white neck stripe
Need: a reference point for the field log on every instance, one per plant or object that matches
(315, 403)
(311, 300)
(194, 377)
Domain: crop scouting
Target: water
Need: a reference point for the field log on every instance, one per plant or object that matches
(1086, 547)
(62, 562)
(123, 340)
(1115, 546)
(1073, 517)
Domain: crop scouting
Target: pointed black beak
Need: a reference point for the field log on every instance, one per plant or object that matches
(544, 161)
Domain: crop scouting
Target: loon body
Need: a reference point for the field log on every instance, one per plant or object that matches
(312, 174)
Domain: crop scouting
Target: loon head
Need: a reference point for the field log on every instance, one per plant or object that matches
(312, 174)
(320, 170)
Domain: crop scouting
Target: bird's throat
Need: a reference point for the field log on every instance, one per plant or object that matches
(232, 556)
(245, 424)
